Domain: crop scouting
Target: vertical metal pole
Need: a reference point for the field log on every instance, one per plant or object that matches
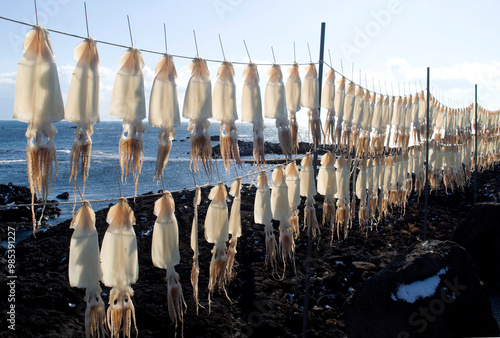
(309, 235)
(475, 145)
(320, 85)
(427, 137)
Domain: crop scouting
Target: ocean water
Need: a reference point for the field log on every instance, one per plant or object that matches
(102, 180)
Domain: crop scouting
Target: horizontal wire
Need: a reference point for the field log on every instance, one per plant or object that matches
(208, 60)
(147, 50)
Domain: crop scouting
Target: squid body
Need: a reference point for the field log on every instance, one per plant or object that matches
(164, 110)
(198, 109)
(128, 103)
(120, 267)
(82, 106)
(38, 101)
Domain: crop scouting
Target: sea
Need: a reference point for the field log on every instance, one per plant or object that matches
(102, 182)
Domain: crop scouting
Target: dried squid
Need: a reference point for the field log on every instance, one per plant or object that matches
(217, 232)
(120, 267)
(339, 111)
(164, 110)
(165, 253)
(251, 109)
(263, 215)
(195, 270)
(310, 99)
(376, 146)
(349, 102)
(84, 268)
(198, 109)
(327, 186)
(275, 108)
(293, 184)
(308, 190)
(292, 90)
(234, 225)
(82, 107)
(357, 117)
(361, 193)
(328, 102)
(128, 103)
(281, 212)
(342, 175)
(224, 110)
(38, 101)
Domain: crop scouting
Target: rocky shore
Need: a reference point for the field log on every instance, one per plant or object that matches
(259, 305)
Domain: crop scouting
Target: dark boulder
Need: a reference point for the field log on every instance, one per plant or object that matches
(432, 291)
(479, 234)
(20, 216)
(63, 196)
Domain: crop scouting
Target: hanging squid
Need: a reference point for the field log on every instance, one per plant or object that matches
(234, 226)
(195, 270)
(165, 253)
(310, 99)
(308, 190)
(342, 176)
(217, 232)
(349, 102)
(371, 189)
(251, 110)
(362, 194)
(120, 267)
(224, 110)
(164, 110)
(377, 146)
(262, 214)
(292, 90)
(280, 209)
(339, 111)
(275, 108)
(198, 109)
(328, 102)
(293, 184)
(363, 143)
(327, 186)
(129, 104)
(357, 116)
(82, 107)
(38, 101)
(376, 197)
(84, 268)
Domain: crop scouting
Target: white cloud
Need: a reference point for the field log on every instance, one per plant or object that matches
(8, 78)
(453, 84)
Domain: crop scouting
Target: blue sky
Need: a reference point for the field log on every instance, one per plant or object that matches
(388, 40)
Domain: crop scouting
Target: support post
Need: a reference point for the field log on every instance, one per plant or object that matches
(427, 137)
(475, 143)
(315, 164)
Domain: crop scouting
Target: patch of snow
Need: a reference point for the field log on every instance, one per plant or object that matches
(419, 289)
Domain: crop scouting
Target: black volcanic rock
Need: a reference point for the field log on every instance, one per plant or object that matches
(479, 234)
(452, 302)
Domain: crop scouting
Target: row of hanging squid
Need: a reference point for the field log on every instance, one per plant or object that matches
(376, 146)
(357, 122)
(382, 183)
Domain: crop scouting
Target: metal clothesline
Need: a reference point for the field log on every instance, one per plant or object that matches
(191, 57)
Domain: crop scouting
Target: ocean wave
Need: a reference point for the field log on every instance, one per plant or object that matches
(12, 161)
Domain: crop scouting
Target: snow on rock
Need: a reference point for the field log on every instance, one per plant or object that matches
(419, 289)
